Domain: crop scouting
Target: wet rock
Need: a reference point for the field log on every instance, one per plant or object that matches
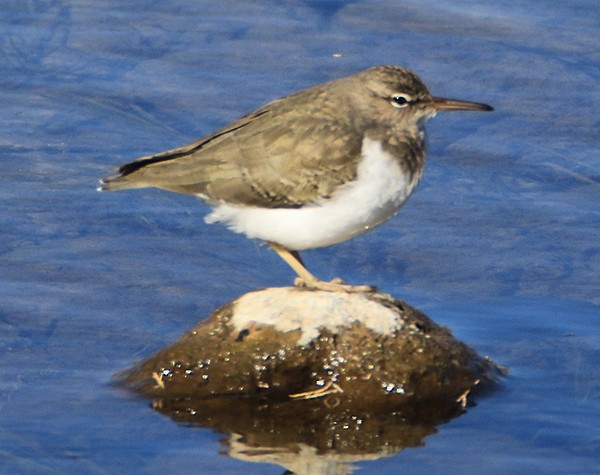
(360, 351)
(314, 381)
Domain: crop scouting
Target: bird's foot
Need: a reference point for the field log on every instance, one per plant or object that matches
(335, 285)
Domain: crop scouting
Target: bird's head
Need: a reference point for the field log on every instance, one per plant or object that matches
(395, 95)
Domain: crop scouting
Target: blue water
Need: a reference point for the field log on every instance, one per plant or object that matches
(501, 241)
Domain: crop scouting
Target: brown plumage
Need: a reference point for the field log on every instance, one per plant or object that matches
(290, 152)
(303, 152)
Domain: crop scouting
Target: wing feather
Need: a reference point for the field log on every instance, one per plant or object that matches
(283, 155)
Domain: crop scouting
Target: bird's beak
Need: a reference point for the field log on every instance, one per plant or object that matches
(441, 104)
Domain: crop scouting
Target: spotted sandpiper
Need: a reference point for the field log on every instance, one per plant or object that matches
(309, 170)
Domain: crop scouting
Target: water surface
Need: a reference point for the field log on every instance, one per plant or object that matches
(501, 241)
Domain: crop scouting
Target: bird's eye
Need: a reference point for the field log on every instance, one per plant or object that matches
(400, 100)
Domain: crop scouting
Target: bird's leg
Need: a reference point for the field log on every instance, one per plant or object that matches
(293, 259)
(306, 279)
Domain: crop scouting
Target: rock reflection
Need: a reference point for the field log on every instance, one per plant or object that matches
(320, 436)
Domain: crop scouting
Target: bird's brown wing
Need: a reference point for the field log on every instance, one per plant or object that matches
(274, 157)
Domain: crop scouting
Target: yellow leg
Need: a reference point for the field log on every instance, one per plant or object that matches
(293, 259)
(306, 279)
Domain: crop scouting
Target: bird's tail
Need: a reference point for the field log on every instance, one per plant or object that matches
(127, 178)
(118, 182)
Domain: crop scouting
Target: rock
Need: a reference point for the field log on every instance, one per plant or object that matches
(365, 351)
(314, 381)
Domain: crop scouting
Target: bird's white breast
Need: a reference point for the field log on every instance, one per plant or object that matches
(372, 198)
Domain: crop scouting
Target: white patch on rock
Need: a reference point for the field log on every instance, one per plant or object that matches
(288, 309)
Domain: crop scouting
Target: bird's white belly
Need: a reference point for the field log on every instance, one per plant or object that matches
(372, 198)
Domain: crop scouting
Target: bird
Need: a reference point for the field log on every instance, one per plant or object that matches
(308, 170)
